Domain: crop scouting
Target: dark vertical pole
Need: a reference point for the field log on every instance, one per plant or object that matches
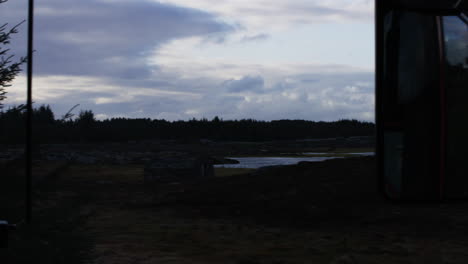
(443, 107)
(379, 147)
(29, 114)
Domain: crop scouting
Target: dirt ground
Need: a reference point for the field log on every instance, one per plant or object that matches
(326, 212)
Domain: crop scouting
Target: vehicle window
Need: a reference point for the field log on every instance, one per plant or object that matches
(415, 61)
(456, 54)
(456, 41)
(410, 94)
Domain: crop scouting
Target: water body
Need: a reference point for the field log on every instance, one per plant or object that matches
(353, 153)
(363, 153)
(258, 162)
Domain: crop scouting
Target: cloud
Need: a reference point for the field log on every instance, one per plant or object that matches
(171, 60)
(257, 37)
(262, 14)
(247, 83)
(332, 96)
(109, 38)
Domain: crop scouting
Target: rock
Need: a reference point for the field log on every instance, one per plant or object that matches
(222, 160)
(176, 167)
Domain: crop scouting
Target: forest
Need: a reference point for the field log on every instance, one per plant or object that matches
(86, 128)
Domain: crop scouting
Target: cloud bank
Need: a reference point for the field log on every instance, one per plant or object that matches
(183, 59)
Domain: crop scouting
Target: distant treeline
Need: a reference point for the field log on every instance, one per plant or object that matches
(84, 127)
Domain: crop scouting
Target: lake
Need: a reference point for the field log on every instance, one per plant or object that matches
(258, 162)
(371, 153)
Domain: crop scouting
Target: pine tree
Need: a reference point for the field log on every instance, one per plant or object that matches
(8, 68)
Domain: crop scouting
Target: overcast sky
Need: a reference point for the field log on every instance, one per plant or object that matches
(178, 59)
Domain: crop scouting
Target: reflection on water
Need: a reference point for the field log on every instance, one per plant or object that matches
(333, 153)
(363, 153)
(257, 162)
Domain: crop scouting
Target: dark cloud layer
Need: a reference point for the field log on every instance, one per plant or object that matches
(106, 38)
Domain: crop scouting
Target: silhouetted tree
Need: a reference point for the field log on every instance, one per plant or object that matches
(13, 119)
(43, 115)
(85, 127)
(8, 68)
(86, 124)
(69, 115)
(86, 117)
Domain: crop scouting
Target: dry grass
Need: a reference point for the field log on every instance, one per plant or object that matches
(225, 172)
(126, 226)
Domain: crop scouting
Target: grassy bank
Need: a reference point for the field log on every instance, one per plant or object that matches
(55, 234)
(225, 172)
(321, 152)
(306, 213)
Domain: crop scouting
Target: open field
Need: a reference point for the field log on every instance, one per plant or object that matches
(307, 213)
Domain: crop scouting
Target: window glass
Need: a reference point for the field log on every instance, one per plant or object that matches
(456, 41)
(393, 153)
(411, 103)
(456, 83)
(415, 56)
